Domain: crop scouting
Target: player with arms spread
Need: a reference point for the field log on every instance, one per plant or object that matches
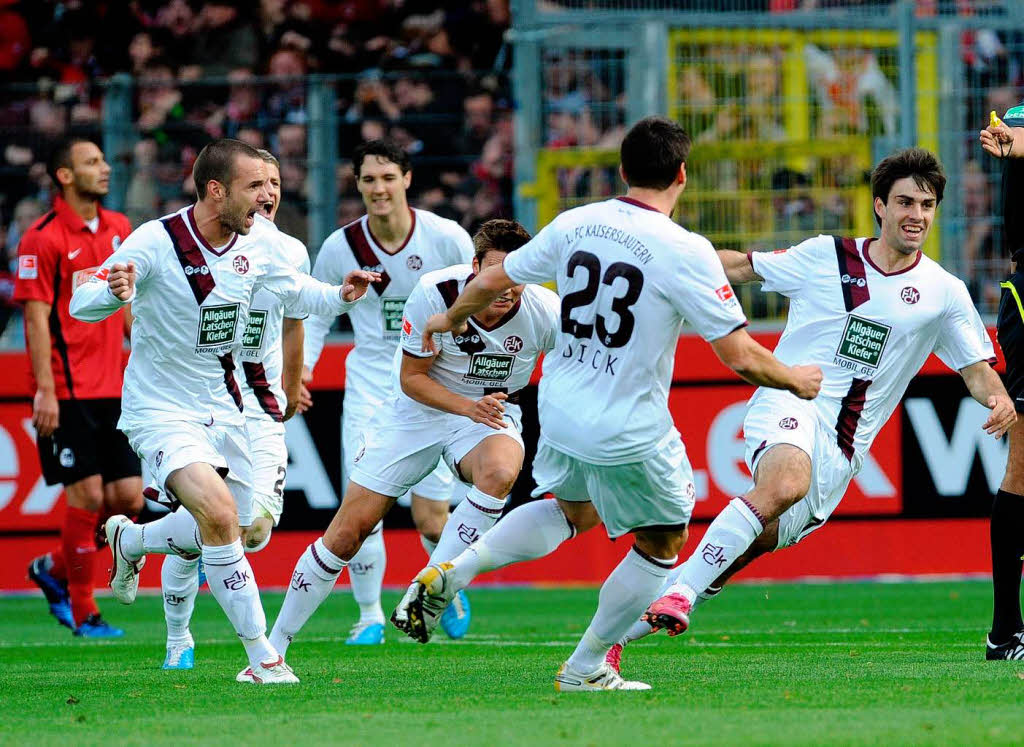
(271, 356)
(458, 404)
(192, 276)
(628, 276)
(869, 311)
(404, 244)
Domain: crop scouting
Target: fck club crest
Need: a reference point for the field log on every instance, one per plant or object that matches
(241, 264)
(910, 295)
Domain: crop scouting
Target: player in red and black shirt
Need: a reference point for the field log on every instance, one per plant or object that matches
(78, 370)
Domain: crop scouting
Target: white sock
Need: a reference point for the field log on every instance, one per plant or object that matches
(626, 593)
(428, 545)
(234, 587)
(366, 574)
(728, 537)
(179, 583)
(312, 580)
(529, 531)
(476, 514)
(174, 534)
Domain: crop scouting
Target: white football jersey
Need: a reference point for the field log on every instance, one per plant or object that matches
(433, 244)
(869, 331)
(191, 305)
(482, 360)
(627, 276)
(262, 357)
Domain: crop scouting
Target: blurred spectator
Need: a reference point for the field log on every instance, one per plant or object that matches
(225, 37)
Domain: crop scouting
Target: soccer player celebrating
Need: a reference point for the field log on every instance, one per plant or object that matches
(271, 356)
(404, 244)
(628, 275)
(869, 311)
(192, 276)
(458, 404)
(1006, 639)
(78, 369)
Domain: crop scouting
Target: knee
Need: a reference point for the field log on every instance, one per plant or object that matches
(345, 541)
(774, 499)
(431, 526)
(256, 536)
(216, 514)
(497, 480)
(127, 502)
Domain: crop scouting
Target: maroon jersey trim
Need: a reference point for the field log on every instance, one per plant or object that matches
(191, 258)
(256, 378)
(849, 415)
(852, 275)
(366, 258)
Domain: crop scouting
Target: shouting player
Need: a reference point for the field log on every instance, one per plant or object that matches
(271, 356)
(78, 370)
(869, 311)
(628, 275)
(192, 276)
(403, 244)
(458, 404)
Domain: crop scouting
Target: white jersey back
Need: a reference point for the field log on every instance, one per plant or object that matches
(433, 244)
(869, 331)
(627, 276)
(482, 360)
(191, 307)
(261, 355)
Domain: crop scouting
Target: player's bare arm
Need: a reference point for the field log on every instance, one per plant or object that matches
(987, 388)
(291, 376)
(305, 396)
(45, 410)
(755, 364)
(478, 294)
(738, 267)
(420, 387)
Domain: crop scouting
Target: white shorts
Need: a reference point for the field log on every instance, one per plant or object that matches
(655, 493)
(170, 445)
(402, 446)
(438, 485)
(778, 417)
(269, 467)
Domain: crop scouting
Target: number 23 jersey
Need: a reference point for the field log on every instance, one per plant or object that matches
(869, 331)
(627, 275)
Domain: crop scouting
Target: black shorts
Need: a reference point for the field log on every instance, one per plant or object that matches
(1010, 331)
(87, 442)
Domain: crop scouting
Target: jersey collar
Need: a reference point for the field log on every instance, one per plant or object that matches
(202, 240)
(73, 220)
(408, 238)
(637, 203)
(879, 270)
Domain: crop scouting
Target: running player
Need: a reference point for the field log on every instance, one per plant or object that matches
(191, 276)
(271, 357)
(404, 244)
(869, 312)
(78, 369)
(459, 405)
(628, 276)
(1005, 139)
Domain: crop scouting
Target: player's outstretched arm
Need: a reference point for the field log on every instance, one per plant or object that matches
(478, 294)
(420, 387)
(755, 364)
(738, 268)
(291, 376)
(987, 388)
(107, 291)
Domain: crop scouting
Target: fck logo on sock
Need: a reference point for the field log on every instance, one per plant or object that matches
(236, 581)
(299, 583)
(469, 535)
(713, 555)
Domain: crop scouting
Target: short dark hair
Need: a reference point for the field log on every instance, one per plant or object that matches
(386, 148)
(216, 162)
(60, 156)
(499, 234)
(918, 163)
(652, 151)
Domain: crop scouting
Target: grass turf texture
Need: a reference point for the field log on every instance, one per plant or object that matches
(850, 663)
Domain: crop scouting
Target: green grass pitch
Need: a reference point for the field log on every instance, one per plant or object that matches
(787, 664)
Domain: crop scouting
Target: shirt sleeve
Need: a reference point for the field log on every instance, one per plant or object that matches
(963, 339)
(328, 268)
(302, 293)
(786, 271)
(92, 301)
(418, 309)
(537, 260)
(38, 260)
(702, 294)
(299, 258)
(551, 318)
